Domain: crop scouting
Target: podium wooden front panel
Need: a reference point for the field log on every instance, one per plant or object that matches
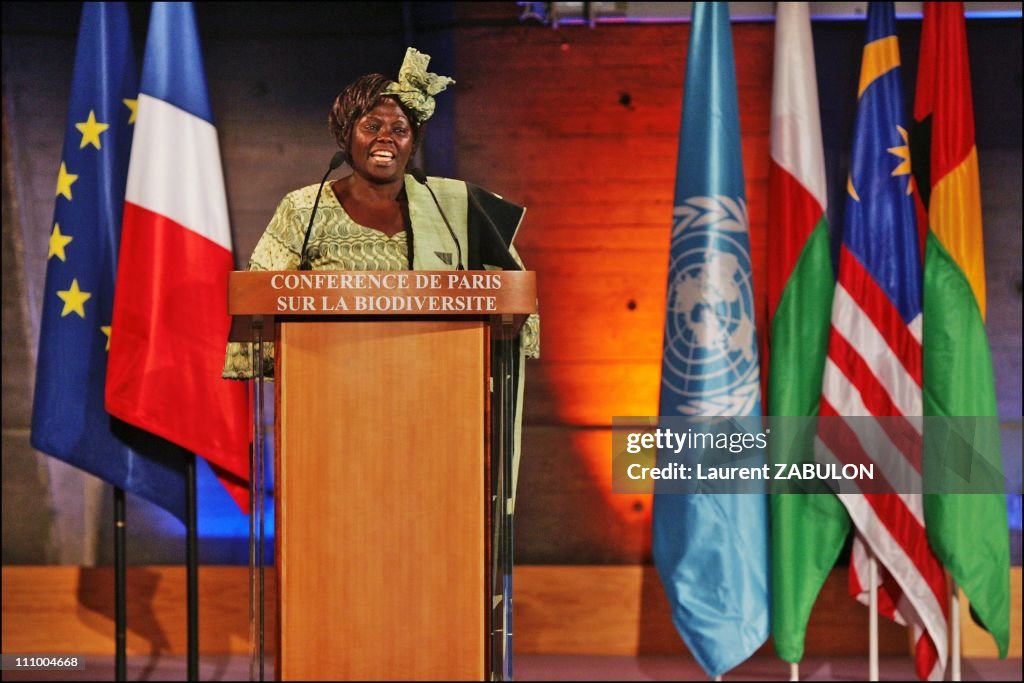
(380, 500)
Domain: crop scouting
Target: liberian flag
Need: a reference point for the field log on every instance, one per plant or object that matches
(808, 531)
(968, 532)
(874, 356)
(170, 319)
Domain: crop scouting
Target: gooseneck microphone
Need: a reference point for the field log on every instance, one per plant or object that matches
(336, 161)
(421, 178)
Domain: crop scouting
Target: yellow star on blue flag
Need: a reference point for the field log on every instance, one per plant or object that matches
(64, 181)
(90, 130)
(133, 107)
(903, 153)
(58, 241)
(74, 299)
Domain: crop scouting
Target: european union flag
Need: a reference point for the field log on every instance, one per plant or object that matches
(68, 418)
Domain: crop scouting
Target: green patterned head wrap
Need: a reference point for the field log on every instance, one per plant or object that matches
(416, 87)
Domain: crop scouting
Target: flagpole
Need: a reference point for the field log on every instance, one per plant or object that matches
(257, 587)
(120, 592)
(954, 627)
(192, 569)
(260, 489)
(872, 618)
(253, 609)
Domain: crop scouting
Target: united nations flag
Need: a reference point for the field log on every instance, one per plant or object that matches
(710, 548)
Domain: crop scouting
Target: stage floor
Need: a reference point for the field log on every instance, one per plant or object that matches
(551, 668)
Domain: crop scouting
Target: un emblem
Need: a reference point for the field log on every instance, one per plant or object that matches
(710, 362)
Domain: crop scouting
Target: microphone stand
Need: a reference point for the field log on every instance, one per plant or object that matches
(336, 160)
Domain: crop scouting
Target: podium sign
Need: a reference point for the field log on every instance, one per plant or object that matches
(493, 295)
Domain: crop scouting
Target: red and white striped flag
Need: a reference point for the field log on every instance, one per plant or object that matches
(874, 358)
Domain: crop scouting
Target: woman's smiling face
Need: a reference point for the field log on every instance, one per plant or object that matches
(382, 143)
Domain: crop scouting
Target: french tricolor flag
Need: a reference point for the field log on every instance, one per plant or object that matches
(170, 321)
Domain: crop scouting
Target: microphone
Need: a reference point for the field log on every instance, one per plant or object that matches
(421, 178)
(336, 160)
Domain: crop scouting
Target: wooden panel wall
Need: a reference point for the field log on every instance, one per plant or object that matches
(581, 126)
(605, 610)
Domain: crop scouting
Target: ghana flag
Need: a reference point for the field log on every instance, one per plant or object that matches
(968, 532)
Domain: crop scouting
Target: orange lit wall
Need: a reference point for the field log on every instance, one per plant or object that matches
(581, 126)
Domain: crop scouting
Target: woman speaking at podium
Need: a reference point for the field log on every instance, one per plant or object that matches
(386, 215)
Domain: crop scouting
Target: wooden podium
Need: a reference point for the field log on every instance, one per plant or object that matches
(386, 510)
